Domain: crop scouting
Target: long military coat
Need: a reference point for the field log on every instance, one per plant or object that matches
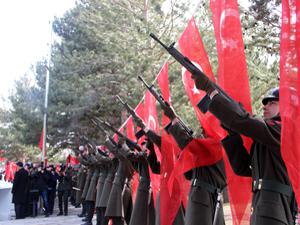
(264, 163)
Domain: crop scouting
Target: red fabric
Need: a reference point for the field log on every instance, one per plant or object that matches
(163, 82)
(289, 91)
(233, 77)
(169, 202)
(199, 152)
(150, 116)
(139, 110)
(10, 169)
(191, 45)
(41, 140)
(130, 129)
(72, 160)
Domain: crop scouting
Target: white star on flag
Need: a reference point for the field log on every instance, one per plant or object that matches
(195, 90)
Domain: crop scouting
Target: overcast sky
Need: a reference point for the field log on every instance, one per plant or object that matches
(25, 36)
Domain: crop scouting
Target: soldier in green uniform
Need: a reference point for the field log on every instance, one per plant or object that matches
(273, 199)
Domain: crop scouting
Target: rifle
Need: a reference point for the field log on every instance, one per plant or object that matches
(164, 104)
(187, 63)
(128, 108)
(128, 141)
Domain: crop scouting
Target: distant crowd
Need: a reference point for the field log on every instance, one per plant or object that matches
(33, 182)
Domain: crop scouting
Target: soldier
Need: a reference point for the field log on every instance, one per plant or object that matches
(90, 171)
(207, 182)
(273, 199)
(119, 203)
(91, 193)
(105, 163)
(155, 166)
(103, 201)
(143, 208)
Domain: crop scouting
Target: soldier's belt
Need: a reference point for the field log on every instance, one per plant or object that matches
(271, 185)
(206, 186)
(76, 189)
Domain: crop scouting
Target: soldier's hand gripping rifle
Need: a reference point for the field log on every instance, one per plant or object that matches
(128, 141)
(187, 63)
(164, 105)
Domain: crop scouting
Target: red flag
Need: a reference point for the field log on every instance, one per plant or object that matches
(169, 202)
(233, 77)
(150, 116)
(163, 82)
(290, 91)
(130, 129)
(10, 169)
(191, 45)
(71, 160)
(41, 140)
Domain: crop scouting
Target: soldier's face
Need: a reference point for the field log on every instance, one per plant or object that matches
(271, 109)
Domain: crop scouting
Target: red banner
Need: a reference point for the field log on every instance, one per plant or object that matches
(233, 78)
(10, 169)
(191, 45)
(289, 91)
(72, 160)
(41, 140)
(169, 202)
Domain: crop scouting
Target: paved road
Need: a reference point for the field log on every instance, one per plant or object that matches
(73, 219)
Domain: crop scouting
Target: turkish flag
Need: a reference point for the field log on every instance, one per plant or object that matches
(169, 202)
(290, 91)
(41, 140)
(150, 116)
(163, 82)
(233, 78)
(130, 129)
(191, 45)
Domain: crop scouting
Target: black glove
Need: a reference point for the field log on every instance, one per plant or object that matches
(139, 122)
(202, 82)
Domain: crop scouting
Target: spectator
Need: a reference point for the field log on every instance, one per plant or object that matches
(19, 190)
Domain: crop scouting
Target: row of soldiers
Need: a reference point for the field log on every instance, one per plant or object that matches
(110, 171)
(104, 182)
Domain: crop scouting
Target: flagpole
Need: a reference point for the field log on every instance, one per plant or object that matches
(44, 155)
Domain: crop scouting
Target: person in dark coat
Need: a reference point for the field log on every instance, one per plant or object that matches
(141, 213)
(104, 164)
(42, 183)
(33, 190)
(63, 190)
(206, 181)
(52, 181)
(19, 190)
(154, 164)
(119, 203)
(273, 199)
